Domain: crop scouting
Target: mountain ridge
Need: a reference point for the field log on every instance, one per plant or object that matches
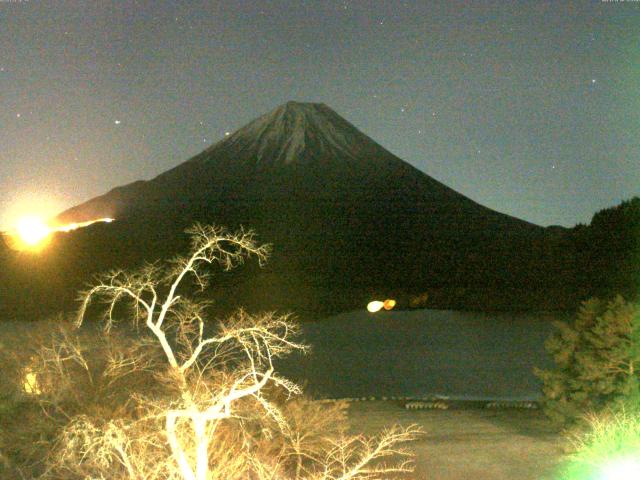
(297, 149)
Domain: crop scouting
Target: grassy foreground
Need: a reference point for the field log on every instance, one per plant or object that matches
(471, 443)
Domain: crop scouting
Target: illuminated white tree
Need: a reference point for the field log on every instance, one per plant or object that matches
(210, 373)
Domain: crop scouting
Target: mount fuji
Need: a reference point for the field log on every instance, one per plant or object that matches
(299, 152)
(348, 221)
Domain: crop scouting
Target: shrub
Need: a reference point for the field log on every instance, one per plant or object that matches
(597, 360)
(179, 397)
(24, 430)
(608, 449)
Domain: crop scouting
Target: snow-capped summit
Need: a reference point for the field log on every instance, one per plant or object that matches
(297, 131)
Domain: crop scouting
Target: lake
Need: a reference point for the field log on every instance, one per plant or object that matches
(461, 355)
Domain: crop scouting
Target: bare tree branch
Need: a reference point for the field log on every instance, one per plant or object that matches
(209, 380)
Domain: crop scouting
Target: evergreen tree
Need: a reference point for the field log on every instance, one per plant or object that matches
(597, 360)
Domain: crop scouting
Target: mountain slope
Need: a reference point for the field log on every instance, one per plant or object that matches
(298, 150)
(348, 220)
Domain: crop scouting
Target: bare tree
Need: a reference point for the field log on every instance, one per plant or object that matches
(210, 377)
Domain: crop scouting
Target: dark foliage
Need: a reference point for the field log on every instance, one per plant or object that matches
(597, 359)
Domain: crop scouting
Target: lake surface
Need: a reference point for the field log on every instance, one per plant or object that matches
(461, 355)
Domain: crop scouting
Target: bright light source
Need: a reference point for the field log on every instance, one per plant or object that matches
(621, 469)
(32, 231)
(67, 228)
(375, 306)
(74, 226)
(30, 383)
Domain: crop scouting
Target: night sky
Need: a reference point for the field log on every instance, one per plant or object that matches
(530, 108)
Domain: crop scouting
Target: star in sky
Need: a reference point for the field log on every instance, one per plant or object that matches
(522, 99)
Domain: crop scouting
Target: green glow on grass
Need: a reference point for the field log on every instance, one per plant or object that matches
(621, 469)
(608, 450)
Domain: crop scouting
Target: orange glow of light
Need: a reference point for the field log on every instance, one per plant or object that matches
(74, 226)
(32, 233)
(388, 304)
